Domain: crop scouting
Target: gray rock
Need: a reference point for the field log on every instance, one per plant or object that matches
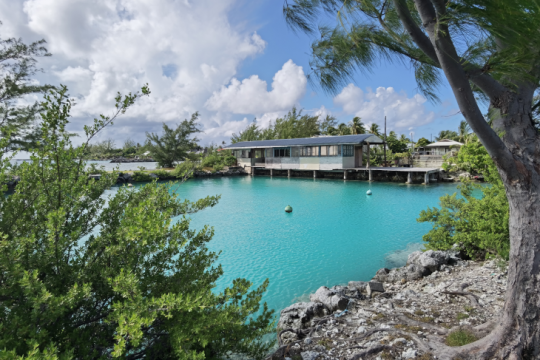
(409, 354)
(298, 316)
(430, 259)
(309, 355)
(154, 176)
(308, 341)
(381, 275)
(373, 286)
(331, 299)
(358, 285)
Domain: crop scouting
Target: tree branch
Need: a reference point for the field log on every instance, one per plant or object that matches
(459, 82)
(418, 36)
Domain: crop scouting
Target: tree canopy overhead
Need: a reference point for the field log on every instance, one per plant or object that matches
(488, 51)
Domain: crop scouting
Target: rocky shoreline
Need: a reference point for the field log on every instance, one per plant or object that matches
(414, 312)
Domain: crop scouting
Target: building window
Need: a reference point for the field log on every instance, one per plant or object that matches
(348, 150)
(308, 151)
(329, 150)
(269, 153)
(242, 154)
(282, 152)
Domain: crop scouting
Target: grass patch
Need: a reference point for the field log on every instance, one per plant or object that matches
(460, 337)
(469, 309)
(413, 329)
(326, 343)
(426, 319)
(379, 316)
(419, 312)
(462, 316)
(425, 356)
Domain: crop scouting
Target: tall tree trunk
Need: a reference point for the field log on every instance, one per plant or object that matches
(520, 321)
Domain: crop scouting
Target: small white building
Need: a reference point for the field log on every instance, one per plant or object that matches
(441, 147)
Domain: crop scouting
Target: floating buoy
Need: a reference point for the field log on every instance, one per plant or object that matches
(368, 192)
(288, 208)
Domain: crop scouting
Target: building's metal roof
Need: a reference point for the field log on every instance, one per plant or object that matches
(321, 140)
(444, 142)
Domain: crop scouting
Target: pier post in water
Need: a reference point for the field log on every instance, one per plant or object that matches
(345, 175)
(409, 177)
(271, 172)
(289, 173)
(314, 174)
(370, 175)
(426, 178)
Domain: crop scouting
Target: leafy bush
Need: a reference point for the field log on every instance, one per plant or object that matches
(184, 169)
(141, 176)
(479, 223)
(84, 276)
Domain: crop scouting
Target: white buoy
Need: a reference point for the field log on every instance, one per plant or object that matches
(368, 192)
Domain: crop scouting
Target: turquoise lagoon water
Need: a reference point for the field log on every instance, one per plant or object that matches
(335, 234)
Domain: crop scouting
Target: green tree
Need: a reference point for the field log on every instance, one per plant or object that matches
(446, 134)
(486, 50)
(374, 129)
(251, 133)
(84, 276)
(343, 129)
(395, 144)
(17, 66)
(296, 125)
(422, 142)
(174, 144)
(357, 127)
(479, 218)
(464, 132)
(291, 126)
(325, 125)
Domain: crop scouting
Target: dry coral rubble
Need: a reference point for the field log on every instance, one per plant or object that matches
(420, 311)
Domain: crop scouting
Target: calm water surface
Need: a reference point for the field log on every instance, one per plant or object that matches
(335, 234)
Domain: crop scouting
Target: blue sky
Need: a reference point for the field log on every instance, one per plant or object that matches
(231, 60)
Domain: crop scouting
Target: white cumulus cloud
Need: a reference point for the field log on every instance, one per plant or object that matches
(402, 112)
(251, 95)
(184, 50)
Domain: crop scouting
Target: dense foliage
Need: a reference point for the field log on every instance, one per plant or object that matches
(86, 276)
(107, 149)
(174, 144)
(217, 158)
(478, 219)
(18, 122)
(291, 126)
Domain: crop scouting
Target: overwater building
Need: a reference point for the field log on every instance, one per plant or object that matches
(317, 154)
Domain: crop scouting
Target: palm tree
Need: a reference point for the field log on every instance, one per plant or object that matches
(446, 134)
(464, 132)
(374, 129)
(344, 129)
(357, 126)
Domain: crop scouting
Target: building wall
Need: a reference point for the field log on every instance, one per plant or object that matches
(428, 161)
(309, 163)
(330, 163)
(348, 162)
(290, 163)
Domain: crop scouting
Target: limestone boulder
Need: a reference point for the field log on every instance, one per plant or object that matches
(299, 315)
(332, 299)
(430, 259)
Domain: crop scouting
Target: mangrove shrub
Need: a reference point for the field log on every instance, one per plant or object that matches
(89, 273)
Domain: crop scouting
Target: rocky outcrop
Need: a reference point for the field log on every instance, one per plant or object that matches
(438, 294)
(299, 315)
